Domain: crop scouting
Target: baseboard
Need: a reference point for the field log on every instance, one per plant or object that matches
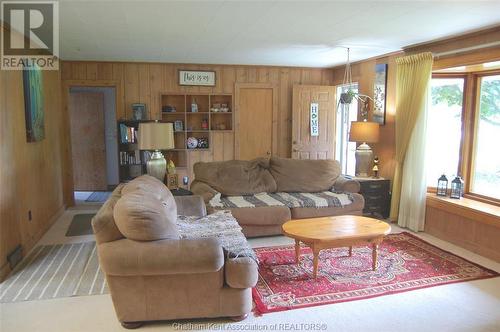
(5, 269)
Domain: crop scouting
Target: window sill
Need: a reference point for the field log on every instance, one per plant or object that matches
(466, 207)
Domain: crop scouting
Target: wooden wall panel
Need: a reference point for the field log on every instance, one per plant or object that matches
(145, 82)
(364, 73)
(30, 173)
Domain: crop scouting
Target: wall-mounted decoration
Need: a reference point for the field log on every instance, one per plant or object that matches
(33, 104)
(379, 94)
(195, 77)
(139, 112)
(314, 119)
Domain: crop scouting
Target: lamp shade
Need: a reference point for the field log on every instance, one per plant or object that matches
(156, 136)
(366, 132)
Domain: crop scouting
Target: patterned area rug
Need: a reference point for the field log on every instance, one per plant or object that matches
(405, 263)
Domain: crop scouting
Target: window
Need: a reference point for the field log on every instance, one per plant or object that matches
(463, 130)
(485, 174)
(344, 150)
(444, 128)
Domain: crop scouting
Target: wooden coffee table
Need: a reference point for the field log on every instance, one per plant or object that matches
(334, 232)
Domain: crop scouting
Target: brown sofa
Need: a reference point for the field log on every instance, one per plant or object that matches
(271, 175)
(153, 274)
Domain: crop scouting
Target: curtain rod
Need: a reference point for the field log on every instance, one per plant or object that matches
(466, 49)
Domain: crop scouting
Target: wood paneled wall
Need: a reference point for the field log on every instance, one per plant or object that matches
(364, 73)
(30, 173)
(145, 82)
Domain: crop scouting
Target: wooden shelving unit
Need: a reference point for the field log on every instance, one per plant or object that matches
(192, 121)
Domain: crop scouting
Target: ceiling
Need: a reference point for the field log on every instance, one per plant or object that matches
(300, 33)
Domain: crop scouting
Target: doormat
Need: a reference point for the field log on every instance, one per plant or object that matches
(81, 224)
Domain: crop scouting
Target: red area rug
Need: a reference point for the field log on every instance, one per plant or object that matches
(405, 263)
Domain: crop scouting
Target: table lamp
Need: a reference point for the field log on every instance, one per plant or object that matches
(363, 132)
(156, 136)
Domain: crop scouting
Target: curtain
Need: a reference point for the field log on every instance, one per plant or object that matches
(413, 74)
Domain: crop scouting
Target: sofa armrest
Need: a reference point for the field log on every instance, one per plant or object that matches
(134, 258)
(190, 206)
(346, 185)
(204, 190)
(241, 272)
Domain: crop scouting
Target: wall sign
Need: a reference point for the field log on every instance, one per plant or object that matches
(194, 77)
(314, 119)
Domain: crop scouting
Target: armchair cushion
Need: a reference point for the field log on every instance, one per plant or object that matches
(127, 257)
(241, 272)
(141, 216)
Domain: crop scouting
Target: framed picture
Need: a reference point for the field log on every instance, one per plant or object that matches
(172, 181)
(178, 125)
(196, 77)
(379, 93)
(33, 104)
(139, 112)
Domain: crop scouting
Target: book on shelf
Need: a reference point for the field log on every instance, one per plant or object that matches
(128, 134)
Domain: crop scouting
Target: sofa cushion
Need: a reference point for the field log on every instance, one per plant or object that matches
(103, 223)
(267, 215)
(356, 207)
(149, 184)
(295, 175)
(236, 177)
(142, 216)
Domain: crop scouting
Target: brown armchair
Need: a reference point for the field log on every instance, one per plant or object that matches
(171, 278)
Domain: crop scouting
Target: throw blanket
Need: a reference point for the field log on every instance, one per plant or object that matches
(221, 225)
(291, 200)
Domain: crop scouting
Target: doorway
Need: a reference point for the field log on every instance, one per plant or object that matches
(94, 145)
(256, 120)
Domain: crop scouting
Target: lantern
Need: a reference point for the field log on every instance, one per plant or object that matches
(442, 187)
(457, 187)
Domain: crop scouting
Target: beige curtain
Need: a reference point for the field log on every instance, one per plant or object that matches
(413, 74)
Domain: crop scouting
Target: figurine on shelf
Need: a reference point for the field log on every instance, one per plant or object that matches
(375, 167)
(170, 167)
(224, 108)
(204, 124)
(202, 143)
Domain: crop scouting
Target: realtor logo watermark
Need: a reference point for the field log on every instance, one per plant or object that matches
(30, 36)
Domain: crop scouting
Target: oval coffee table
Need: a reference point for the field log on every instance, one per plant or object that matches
(334, 232)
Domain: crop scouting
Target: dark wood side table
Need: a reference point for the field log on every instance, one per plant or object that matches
(181, 192)
(377, 195)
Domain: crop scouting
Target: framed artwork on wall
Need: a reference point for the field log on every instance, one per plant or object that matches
(196, 77)
(33, 104)
(139, 112)
(379, 93)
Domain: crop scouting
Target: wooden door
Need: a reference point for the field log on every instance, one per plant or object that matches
(256, 120)
(88, 149)
(305, 146)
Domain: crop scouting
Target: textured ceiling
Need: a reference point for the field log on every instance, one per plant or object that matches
(301, 33)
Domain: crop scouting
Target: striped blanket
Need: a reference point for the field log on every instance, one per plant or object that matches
(291, 200)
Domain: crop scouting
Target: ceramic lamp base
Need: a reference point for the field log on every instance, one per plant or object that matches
(157, 166)
(364, 157)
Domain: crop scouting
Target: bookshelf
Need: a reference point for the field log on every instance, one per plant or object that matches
(214, 114)
(132, 161)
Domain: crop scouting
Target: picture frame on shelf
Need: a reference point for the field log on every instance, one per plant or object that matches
(172, 181)
(139, 112)
(178, 125)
